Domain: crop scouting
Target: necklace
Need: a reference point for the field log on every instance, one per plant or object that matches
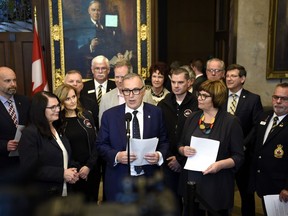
(159, 95)
(205, 127)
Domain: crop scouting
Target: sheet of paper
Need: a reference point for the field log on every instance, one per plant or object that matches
(206, 154)
(140, 147)
(274, 207)
(17, 138)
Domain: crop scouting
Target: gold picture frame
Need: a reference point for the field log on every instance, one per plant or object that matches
(277, 58)
(138, 22)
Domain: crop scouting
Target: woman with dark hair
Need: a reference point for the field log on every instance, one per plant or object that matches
(79, 128)
(43, 150)
(158, 75)
(211, 122)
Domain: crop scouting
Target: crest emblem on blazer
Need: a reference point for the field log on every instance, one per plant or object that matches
(278, 152)
(87, 123)
(187, 112)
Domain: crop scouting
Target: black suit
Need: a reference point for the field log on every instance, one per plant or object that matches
(89, 92)
(8, 128)
(248, 110)
(198, 81)
(270, 161)
(41, 159)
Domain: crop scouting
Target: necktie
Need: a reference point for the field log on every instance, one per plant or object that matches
(136, 134)
(99, 96)
(12, 112)
(233, 104)
(135, 122)
(275, 120)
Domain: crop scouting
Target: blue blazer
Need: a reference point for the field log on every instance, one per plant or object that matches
(112, 139)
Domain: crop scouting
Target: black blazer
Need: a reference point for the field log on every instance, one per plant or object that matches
(248, 110)
(8, 128)
(41, 160)
(270, 162)
(89, 88)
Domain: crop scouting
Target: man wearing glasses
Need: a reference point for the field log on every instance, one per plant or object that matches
(100, 85)
(112, 140)
(215, 69)
(247, 107)
(270, 170)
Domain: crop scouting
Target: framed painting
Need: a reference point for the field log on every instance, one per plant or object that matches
(277, 58)
(83, 29)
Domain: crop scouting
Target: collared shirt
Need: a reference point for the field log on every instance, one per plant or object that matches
(103, 88)
(6, 104)
(280, 118)
(121, 99)
(230, 98)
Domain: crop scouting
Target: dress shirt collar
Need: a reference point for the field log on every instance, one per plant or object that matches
(238, 93)
(104, 85)
(4, 100)
(139, 109)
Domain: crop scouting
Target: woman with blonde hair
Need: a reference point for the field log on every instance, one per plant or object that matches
(79, 128)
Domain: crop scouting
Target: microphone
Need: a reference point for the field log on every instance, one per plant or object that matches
(128, 118)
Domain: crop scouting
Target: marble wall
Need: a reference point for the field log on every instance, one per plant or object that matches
(252, 35)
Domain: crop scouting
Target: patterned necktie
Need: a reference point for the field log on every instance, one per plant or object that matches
(233, 104)
(136, 134)
(275, 120)
(12, 112)
(136, 128)
(99, 96)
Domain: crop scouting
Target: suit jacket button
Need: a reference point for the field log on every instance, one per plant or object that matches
(258, 171)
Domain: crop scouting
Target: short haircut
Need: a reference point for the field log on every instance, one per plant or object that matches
(198, 63)
(181, 70)
(222, 64)
(240, 68)
(124, 62)
(100, 59)
(282, 85)
(132, 75)
(217, 90)
(73, 72)
(190, 71)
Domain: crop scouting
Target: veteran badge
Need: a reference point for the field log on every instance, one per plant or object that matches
(187, 112)
(278, 152)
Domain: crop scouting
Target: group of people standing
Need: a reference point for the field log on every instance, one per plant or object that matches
(77, 135)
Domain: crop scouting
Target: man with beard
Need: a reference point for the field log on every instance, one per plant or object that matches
(14, 111)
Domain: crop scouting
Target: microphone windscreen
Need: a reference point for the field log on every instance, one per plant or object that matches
(128, 116)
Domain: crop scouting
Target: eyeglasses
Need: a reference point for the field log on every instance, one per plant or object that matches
(135, 91)
(54, 108)
(275, 97)
(202, 96)
(214, 70)
(104, 69)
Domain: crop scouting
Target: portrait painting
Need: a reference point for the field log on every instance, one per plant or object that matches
(84, 29)
(277, 64)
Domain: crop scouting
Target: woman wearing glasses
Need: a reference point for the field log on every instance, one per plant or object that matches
(216, 180)
(79, 128)
(43, 150)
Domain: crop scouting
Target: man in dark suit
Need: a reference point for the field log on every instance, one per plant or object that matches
(270, 162)
(197, 67)
(248, 108)
(112, 140)
(8, 127)
(100, 68)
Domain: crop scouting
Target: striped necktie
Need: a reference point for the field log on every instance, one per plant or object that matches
(12, 112)
(99, 96)
(233, 104)
(275, 120)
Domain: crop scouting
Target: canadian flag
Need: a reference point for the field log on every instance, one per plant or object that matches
(39, 79)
